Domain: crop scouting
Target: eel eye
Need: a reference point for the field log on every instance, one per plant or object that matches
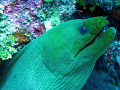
(82, 29)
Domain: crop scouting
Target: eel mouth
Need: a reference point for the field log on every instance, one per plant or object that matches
(101, 32)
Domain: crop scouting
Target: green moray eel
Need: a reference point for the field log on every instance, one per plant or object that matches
(60, 59)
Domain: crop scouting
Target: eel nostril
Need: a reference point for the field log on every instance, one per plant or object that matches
(91, 33)
(100, 22)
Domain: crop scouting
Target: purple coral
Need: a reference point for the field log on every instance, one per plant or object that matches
(23, 13)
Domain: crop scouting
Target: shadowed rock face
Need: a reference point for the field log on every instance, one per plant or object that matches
(60, 59)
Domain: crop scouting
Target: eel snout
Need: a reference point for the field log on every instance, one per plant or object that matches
(93, 26)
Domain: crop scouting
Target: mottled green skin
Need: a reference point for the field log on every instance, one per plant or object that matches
(57, 60)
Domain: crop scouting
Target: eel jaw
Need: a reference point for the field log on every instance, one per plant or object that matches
(87, 57)
(106, 35)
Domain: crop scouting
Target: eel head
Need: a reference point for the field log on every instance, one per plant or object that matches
(74, 56)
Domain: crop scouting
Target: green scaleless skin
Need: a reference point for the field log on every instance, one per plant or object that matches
(58, 60)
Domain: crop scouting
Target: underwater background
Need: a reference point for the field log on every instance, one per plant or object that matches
(21, 21)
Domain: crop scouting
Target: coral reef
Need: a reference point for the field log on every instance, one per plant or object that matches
(23, 14)
(7, 40)
(28, 14)
(23, 36)
(6, 47)
(112, 56)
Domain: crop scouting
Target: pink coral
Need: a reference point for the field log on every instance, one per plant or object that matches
(23, 14)
(37, 28)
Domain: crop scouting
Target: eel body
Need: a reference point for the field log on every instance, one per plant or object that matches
(60, 59)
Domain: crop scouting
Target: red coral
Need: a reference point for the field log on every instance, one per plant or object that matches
(39, 30)
(22, 36)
